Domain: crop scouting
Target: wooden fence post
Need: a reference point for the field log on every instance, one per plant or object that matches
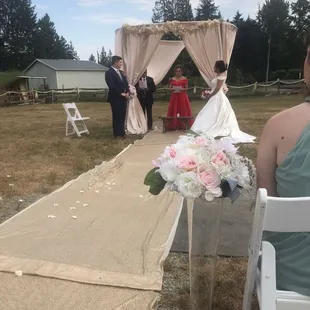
(77, 94)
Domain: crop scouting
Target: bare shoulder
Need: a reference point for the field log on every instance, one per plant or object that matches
(286, 115)
(279, 122)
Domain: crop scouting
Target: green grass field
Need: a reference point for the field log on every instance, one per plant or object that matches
(37, 158)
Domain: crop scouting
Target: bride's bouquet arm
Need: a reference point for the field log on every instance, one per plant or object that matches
(217, 89)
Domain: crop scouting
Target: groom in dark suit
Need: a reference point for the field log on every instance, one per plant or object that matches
(117, 96)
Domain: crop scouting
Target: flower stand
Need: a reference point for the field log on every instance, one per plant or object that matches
(204, 220)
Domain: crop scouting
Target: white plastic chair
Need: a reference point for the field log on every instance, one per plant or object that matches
(275, 215)
(74, 119)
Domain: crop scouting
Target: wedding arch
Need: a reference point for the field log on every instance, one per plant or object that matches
(141, 48)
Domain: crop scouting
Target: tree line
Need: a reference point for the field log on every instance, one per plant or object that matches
(279, 27)
(103, 58)
(24, 37)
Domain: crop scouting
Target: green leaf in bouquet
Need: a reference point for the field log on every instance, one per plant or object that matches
(149, 177)
(220, 137)
(191, 132)
(155, 181)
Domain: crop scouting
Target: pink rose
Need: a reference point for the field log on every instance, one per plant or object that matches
(209, 178)
(221, 159)
(201, 141)
(155, 163)
(187, 163)
(171, 151)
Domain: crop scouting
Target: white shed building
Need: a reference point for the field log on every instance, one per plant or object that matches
(67, 73)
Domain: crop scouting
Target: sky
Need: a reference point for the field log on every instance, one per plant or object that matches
(90, 24)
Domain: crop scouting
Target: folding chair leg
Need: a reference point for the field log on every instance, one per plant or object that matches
(250, 279)
(85, 128)
(68, 132)
(76, 129)
(248, 291)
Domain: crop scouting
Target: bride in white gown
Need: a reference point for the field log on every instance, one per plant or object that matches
(217, 118)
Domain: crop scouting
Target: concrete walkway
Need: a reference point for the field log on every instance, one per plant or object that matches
(236, 226)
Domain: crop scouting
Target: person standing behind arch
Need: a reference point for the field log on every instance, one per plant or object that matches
(179, 105)
(145, 93)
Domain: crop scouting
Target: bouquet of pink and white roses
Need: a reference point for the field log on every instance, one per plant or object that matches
(205, 94)
(225, 88)
(132, 91)
(200, 166)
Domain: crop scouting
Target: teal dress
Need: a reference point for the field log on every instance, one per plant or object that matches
(293, 249)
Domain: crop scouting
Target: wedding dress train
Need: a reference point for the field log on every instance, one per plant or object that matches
(217, 118)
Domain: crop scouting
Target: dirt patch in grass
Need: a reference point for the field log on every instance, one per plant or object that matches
(37, 158)
(229, 285)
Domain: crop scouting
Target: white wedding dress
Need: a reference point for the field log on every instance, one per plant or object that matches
(217, 118)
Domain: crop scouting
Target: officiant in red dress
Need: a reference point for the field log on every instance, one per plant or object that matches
(179, 105)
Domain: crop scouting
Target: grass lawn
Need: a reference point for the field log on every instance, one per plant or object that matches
(37, 158)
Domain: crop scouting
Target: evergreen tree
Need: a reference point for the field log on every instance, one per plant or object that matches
(169, 10)
(109, 58)
(273, 17)
(250, 41)
(207, 10)
(238, 19)
(183, 11)
(104, 58)
(71, 53)
(92, 58)
(24, 38)
(17, 25)
(46, 37)
(61, 47)
(163, 11)
(300, 17)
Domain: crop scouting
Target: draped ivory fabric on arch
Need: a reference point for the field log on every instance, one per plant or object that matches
(164, 57)
(141, 48)
(137, 52)
(207, 45)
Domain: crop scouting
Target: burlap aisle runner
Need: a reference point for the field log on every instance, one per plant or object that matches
(41, 293)
(102, 228)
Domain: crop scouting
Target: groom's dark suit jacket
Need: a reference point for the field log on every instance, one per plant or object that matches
(116, 85)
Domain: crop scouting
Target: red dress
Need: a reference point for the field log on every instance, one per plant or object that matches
(179, 104)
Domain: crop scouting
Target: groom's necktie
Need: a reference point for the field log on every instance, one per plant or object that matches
(119, 74)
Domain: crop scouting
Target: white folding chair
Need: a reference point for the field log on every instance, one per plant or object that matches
(74, 119)
(275, 215)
